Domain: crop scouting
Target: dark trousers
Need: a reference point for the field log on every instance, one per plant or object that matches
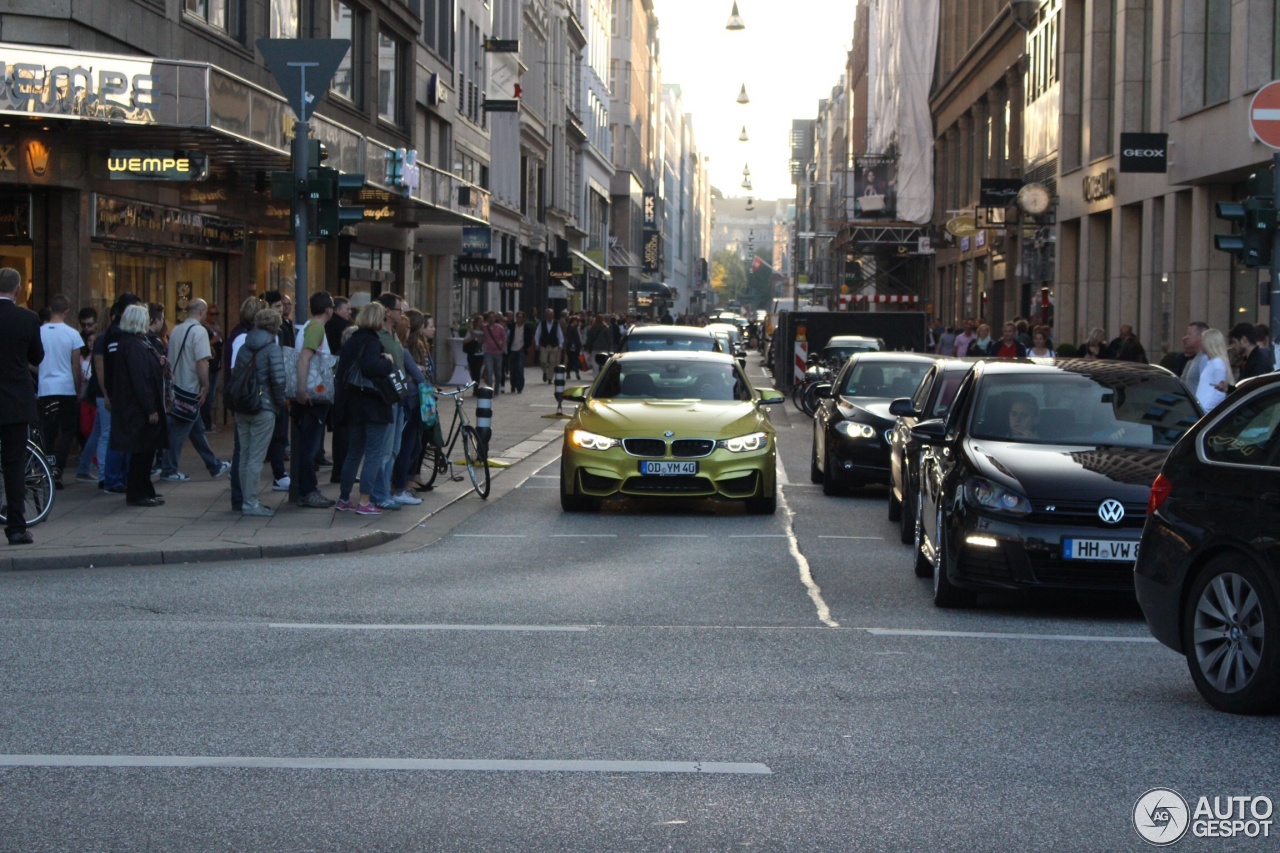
(515, 367)
(137, 484)
(275, 450)
(237, 493)
(206, 408)
(339, 452)
(60, 424)
(13, 461)
(313, 416)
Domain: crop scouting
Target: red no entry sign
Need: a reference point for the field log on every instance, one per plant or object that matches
(1264, 114)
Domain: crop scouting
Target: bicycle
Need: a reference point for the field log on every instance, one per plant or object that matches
(475, 453)
(39, 481)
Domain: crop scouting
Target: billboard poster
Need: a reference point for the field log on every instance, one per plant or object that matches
(875, 187)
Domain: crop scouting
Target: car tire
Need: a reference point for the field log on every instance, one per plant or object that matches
(574, 503)
(830, 485)
(1220, 661)
(945, 594)
(907, 516)
(923, 568)
(895, 506)
(815, 473)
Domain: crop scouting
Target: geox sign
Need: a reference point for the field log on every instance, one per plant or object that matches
(148, 165)
(1144, 152)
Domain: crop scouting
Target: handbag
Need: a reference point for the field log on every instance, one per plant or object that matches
(184, 405)
(320, 378)
(427, 405)
(393, 387)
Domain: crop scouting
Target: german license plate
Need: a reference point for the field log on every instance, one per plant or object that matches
(669, 469)
(1100, 549)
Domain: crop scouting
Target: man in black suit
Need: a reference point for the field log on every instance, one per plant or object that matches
(20, 351)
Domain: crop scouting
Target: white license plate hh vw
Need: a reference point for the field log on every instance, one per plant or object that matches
(669, 469)
(1100, 549)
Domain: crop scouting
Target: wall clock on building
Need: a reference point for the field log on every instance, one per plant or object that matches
(1033, 199)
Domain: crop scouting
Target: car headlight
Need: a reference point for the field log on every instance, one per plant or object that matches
(986, 494)
(852, 429)
(745, 443)
(591, 441)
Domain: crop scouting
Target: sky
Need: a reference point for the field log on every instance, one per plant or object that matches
(790, 55)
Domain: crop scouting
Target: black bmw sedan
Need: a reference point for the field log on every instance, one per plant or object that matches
(1208, 571)
(852, 422)
(1040, 473)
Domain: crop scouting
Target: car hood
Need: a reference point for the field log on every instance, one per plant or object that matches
(1069, 472)
(855, 408)
(689, 418)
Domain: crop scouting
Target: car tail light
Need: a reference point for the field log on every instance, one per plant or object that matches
(1160, 491)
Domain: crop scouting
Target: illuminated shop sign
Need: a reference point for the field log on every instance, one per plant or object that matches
(149, 165)
(157, 225)
(51, 83)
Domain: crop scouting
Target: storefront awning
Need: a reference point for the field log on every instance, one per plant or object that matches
(655, 288)
(590, 264)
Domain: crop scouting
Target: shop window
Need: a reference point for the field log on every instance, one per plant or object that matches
(225, 16)
(391, 55)
(346, 23)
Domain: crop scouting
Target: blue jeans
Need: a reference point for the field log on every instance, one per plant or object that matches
(364, 443)
(179, 430)
(112, 464)
(91, 447)
(410, 450)
(390, 447)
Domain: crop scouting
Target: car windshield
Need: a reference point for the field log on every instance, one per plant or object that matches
(646, 379)
(1148, 410)
(884, 379)
(840, 354)
(682, 343)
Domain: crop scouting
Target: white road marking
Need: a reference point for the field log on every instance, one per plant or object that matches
(988, 635)
(489, 535)
(673, 535)
(806, 576)
(354, 626)
(584, 536)
(417, 764)
(783, 479)
(757, 536)
(878, 538)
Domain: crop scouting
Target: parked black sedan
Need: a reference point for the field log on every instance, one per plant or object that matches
(932, 400)
(852, 422)
(1208, 570)
(1040, 473)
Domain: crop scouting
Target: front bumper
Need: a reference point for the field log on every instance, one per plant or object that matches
(859, 460)
(1028, 554)
(723, 474)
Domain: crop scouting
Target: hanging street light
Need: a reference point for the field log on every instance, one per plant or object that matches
(742, 137)
(742, 96)
(751, 203)
(746, 183)
(735, 20)
(746, 170)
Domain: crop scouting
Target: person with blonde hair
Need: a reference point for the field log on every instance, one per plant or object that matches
(1211, 388)
(361, 409)
(1096, 345)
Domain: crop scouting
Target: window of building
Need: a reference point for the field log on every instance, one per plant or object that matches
(225, 16)
(345, 24)
(283, 23)
(1217, 51)
(391, 56)
(437, 27)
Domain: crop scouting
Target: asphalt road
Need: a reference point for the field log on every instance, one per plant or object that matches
(649, 678)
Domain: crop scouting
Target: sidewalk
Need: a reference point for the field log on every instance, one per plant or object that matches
(88, 528)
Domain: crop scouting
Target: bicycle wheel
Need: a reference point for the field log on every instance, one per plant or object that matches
(797, 395)
(435, 463)
(477, 465)
(39, 498)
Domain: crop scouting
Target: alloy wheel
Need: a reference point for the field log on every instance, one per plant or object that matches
(1229, 632)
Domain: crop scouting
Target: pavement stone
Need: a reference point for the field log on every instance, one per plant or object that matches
(88, 528)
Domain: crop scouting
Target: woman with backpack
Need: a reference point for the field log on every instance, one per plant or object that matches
(256, 394)
(358, 405)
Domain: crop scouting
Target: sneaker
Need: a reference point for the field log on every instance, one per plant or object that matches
(281, 485)
(113, 490)
(256, 511)
(344, 505)
(406, 498)
(316, 500)
(178, 477)
(368, 509)
(391, 504)
(86, 478)
(155, 473)
(223, 467)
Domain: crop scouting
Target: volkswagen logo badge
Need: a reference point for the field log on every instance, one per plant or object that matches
(669, 433)
(1111, 511)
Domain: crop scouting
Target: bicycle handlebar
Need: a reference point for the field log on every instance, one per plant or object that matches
(455, 392)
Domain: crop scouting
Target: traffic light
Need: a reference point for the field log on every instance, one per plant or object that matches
(325, 192)
(1254, 224)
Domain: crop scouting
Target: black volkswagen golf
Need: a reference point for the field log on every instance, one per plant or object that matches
(1208, 573)
(1040, 473)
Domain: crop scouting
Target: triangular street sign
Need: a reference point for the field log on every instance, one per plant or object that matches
(303, 68)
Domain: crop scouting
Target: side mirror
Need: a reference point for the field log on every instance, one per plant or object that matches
(602, 357)
(768, 396)
(823, 390)
(930, 432)
(577, 392)
(902, 408)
